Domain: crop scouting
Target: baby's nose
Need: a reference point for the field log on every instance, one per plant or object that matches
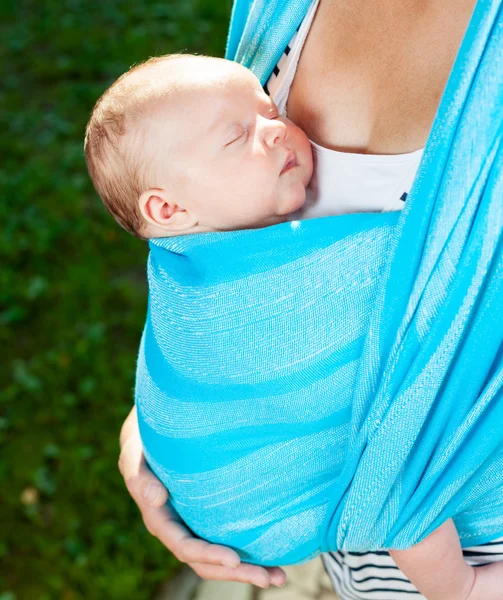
(275, 132)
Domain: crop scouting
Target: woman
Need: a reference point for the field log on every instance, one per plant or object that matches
(368, 108)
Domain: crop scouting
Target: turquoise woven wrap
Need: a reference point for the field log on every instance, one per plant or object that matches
(337, 383)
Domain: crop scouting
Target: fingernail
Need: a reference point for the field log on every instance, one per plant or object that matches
(232, 563)
(264, 586)
(151, 494)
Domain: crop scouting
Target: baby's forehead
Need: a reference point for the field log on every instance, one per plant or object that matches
(195, 93)
(220, 75)
(178, 77)
(217, 82)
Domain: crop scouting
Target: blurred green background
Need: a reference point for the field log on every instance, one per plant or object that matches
(73, 299)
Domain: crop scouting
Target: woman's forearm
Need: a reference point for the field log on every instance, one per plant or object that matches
(436, 565)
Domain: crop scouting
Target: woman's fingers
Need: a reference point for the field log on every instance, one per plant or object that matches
(151, 496)
(210, 561)
(245, 573)
(141, 483)
(172, 534)
(277, 575)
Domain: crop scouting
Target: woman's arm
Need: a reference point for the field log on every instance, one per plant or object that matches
(437, 568)
(209, 561)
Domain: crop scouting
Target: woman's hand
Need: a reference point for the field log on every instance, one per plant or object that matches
(209, 561)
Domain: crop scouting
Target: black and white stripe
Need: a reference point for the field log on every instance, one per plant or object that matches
(274, 80)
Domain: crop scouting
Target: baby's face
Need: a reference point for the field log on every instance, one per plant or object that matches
(239, 164)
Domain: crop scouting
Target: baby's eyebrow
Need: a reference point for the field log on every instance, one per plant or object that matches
(220, 121)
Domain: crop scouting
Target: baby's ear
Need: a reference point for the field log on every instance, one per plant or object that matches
(160, 209)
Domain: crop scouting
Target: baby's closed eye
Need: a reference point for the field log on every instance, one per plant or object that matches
(242, 136)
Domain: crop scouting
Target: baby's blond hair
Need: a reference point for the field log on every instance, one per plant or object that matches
(116, 168)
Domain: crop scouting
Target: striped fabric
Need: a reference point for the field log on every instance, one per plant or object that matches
(337, 383)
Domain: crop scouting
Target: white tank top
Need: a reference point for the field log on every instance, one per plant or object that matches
(343, 182)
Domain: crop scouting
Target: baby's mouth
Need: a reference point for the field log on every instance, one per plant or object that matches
(290, 162)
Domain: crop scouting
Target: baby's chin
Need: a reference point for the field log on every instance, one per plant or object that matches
(295, 206)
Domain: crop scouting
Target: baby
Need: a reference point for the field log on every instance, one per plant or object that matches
(187, 144)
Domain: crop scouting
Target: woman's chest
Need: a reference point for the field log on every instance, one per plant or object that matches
(371, 74)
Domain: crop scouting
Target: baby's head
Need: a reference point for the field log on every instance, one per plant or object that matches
(184, 144)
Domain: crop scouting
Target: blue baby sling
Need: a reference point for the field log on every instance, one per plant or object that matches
(337, 383)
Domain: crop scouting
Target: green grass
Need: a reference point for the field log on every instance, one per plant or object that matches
(72, 299)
